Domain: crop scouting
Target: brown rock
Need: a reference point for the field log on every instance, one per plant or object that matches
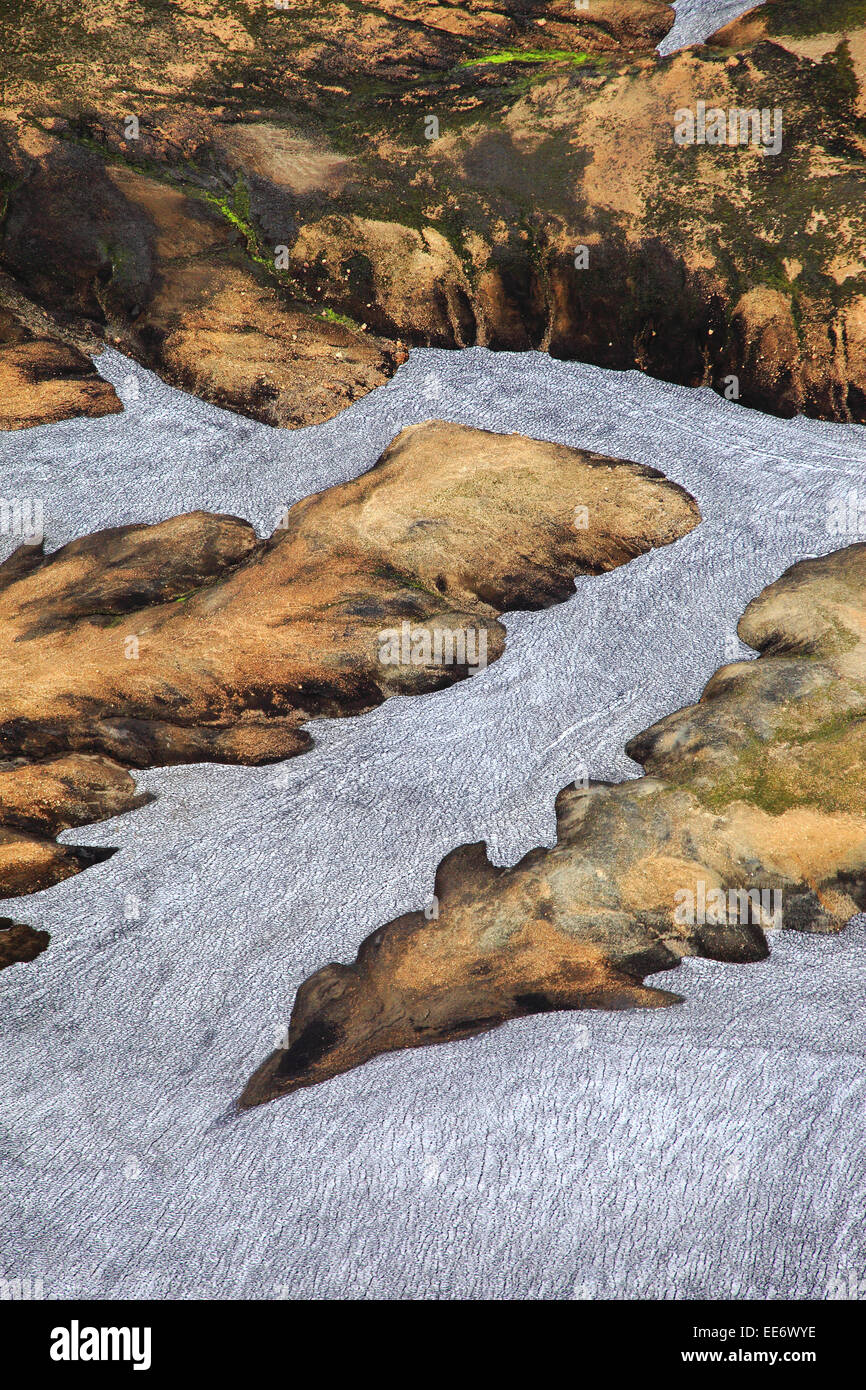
(792, 20)
(44, 380)
(192, 640)
(253, 51)
(160, 273)
(407, 283)
(766, 348)
(41, 378)
(45, 798)
(220, 330)
(29, 863)
(19, 943)
(39, 800)
(269, 129)
(752, 816)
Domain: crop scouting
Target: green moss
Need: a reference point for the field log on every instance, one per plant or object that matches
(531, 55)
(775, 781)
(189, 179)
(121, 260)
(111, 619)
(834, 728)
(331, 316)
(235, 208)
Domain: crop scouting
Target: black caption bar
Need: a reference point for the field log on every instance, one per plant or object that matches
(83, 1342)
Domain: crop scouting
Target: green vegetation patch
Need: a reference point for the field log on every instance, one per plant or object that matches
(827, 774)
(530, 55)
(331, 316)
(402, 579)
(236, 210)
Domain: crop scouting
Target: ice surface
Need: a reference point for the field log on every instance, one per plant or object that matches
(697, 19)
(714, 1149)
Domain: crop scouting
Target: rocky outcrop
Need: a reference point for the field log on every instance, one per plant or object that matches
(751, 816)
(193, 640)
(39, 800)
(793, 20)
(275, 212)
(159, 273)
(19, 943)
(43, 379)
(320, 54)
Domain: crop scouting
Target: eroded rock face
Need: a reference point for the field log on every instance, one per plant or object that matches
(751, 816)
(791, 19)
(160, 273)
(309, 190)
(43, 379)
(39, 800)
(19, 943)
(193, 640)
